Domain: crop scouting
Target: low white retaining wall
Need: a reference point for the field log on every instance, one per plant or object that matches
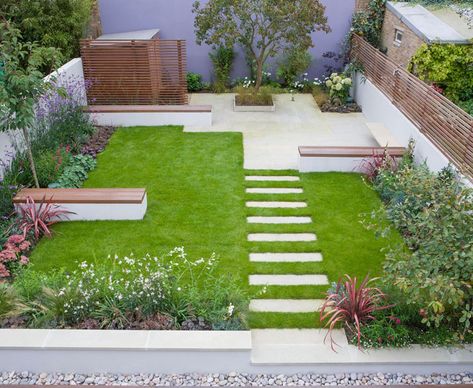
(378, 108)
(326, 164)
(130, 119)
(134, 351)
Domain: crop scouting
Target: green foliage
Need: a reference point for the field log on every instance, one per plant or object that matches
(448, 67)
(50, 165)
(52, 23)
(222, 59)
(368, 23)
(339, 88)
(75, 173)
(293, 65)
(261, 27)
(109, 290)
(249, 96)
(194, 82)
(434, 213)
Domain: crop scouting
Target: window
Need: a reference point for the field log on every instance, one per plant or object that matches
(398, 37)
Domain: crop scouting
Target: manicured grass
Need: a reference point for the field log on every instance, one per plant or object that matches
(336, 202)
(196, 199)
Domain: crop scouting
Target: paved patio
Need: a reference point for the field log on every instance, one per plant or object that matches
(271, 138)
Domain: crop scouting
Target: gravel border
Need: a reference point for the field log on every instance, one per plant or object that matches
(232, 379)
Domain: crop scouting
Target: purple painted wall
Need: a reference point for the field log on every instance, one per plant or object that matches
(175, 20)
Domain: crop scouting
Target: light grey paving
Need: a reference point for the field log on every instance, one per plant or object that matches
(286, 305)
(282, 237)
(276, 204)
(278, 220)
(273, 190)
(274, 178)
(288, 280)
(285, 257)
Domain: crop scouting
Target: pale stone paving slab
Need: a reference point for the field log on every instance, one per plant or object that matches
(282, 237)
(285, 257)
(288, 280)
(276, 204)
(278, 220)
(286, 305)
(274, 190)
(274, 178)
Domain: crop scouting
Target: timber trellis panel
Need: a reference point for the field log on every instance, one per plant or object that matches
(440, 120)
(135, 72)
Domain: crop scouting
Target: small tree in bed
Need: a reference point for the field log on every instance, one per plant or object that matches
(262, 27)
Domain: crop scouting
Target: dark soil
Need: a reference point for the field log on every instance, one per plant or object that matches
(347, 108)
(98, 141)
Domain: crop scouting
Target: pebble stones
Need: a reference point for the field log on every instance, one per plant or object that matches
(232, 379)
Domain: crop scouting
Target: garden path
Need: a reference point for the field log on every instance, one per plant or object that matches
(271, 139)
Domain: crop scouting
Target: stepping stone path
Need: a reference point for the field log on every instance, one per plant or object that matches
(288, 306)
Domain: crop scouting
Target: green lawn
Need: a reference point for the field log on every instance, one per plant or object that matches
(196, 199)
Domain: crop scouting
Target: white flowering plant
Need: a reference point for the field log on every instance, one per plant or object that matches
(111, 290)
(339, 88)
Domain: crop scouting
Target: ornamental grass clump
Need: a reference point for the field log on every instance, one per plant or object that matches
(351, 305)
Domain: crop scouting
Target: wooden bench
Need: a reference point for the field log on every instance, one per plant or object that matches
(147, 115)
(382, 135)
(345, 159)
(91, 204)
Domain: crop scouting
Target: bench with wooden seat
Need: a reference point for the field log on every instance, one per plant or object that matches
(146, 115)
(345, 159)
(90, 204)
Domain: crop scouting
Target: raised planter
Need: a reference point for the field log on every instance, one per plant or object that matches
(253, 108)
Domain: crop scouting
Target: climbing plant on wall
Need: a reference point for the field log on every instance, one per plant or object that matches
(368, 23)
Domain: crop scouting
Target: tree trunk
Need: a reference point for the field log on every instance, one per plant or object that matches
(259, 75)
(30, 156)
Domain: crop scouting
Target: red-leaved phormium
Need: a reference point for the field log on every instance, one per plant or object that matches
(39, 218)
(352, 305)
(372, 165)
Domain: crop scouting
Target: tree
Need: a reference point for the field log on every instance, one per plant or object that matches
(262, 27)
(21, 83)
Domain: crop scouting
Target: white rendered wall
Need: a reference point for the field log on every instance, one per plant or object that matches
(129, 119)
(326, 164)
(377, 107)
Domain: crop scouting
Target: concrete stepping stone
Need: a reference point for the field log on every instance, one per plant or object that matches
(285, 257)
(282, 237)
(276, 204)
(278, 220)
(288, 280)
(264, 190)
(286, 305)
(274, 178)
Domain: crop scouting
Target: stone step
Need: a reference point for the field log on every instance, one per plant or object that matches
(274, 178)
(288, 280)
(276, 204)
(286, 305)
(285, 237)
(285, 257)
(278, 220)
(298, 346)
(264, 190)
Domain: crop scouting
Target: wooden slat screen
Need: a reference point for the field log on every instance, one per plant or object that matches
(136, 72)
(440, 120)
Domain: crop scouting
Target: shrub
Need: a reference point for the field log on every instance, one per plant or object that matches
(222, 59)
(247, 96)
(38, 219)
(194, 82)
(369, 23)
(352, 305)
(294, 63)
(50, 165)
(339, 88)
(378, 162)
(75, 173)
(434, 213)
(115, 291)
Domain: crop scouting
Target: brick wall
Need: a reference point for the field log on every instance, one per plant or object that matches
(401, 53)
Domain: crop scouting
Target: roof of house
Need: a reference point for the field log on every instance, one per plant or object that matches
(131, 35)
(428, 26)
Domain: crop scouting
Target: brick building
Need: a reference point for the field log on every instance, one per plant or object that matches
(407, 26)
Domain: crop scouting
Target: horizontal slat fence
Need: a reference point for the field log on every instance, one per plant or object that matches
(440, 120)
(136, 72)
